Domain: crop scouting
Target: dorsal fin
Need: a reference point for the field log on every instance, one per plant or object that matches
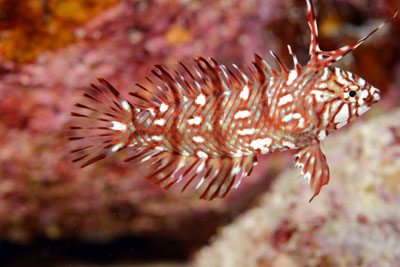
(284, 70)
(187, 81)
(212, 72)
(321, 58)
(261, 65)
(296, 63)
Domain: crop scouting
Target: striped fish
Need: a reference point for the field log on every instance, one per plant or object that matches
(199, 127)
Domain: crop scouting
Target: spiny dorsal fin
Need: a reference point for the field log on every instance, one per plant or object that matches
(284, 69)
(208, 178)
(321, 58)
(261, 65)
(187, 81)
(296, 63)
(212, 71)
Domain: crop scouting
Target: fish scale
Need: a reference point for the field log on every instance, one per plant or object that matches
(198, 128)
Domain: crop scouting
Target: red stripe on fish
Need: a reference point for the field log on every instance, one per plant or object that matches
(200, 126)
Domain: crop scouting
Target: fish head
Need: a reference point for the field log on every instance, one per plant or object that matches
(342, 97)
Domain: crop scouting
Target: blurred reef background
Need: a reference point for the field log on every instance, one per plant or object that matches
(52, 214)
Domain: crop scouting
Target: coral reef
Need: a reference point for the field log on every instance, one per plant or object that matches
(353, 222)
(31, 27)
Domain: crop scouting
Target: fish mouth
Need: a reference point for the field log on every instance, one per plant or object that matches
(374, 96)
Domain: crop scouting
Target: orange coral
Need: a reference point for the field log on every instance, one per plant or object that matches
(178, 35)
(29, 27)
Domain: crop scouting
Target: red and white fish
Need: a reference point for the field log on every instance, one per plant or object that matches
(201, 126)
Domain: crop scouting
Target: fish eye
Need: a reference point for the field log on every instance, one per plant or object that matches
(352, 93)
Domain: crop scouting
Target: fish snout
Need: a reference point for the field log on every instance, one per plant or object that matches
(374, 96)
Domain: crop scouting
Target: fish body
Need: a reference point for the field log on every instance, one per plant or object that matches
(202, 125)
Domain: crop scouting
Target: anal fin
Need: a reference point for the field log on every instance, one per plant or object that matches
(207, 178)
(312, 162)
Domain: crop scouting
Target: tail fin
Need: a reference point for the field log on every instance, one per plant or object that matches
(101, 124)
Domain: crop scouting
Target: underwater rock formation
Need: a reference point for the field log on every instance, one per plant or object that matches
(353, 222)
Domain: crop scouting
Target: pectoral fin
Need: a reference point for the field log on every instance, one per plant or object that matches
(312, 162)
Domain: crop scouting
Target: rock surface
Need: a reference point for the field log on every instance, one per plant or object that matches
(353, 222)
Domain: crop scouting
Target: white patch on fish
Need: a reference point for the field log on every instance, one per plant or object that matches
(292, 76)
(246, 131)
(195, 120)
(262, 144)
(198, 139)
(343, 114)
(285, 99)
(159, 122)
(200, 100)
(163, 107)
(244, 94)
(118, 126)
(201, 154)
(242, 114)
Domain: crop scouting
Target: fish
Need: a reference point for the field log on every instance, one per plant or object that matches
(199, 127)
